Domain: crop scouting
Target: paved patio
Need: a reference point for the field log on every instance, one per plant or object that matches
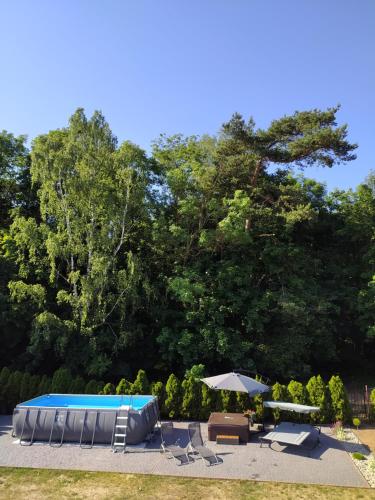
(329, 463)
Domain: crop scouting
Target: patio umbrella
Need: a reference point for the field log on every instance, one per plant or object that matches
(236, 382)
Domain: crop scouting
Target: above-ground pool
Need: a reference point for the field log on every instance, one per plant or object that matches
(86, 419)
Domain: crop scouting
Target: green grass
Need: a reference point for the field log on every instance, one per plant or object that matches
(56, 484)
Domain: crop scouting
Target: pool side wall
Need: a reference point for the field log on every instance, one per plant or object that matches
(140, 423)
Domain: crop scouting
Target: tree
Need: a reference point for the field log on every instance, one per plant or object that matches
(123, 387)
(372, 404)
(241, 274)
(12, 390)
(44, 385)
(61, 381)
(209, 400)
(243, 401)
(34, 386)
(173, 399)
(90, 253)
(108, 389)
(279, 393)
(77, 386)
(340, 403)
(25, 387)
(297, 392)
(318, 396)
(158, 390)
(4, 377)
(92, 387)
(191, 397)
(141, 384)
(227, 401)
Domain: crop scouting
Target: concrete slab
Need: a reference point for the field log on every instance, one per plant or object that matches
(329, 463)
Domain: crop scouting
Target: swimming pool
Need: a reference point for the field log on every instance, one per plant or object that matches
(83, 401)
(85, 418)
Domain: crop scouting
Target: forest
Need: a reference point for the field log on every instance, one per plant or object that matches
(213, 250)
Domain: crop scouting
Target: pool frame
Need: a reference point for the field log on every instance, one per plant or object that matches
(86, 426)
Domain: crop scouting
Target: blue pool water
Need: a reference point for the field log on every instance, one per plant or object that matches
(84, 401)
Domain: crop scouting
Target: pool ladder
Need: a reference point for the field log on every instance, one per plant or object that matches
(30, 441)
(119, 431)
(88, 443)
(60, 418)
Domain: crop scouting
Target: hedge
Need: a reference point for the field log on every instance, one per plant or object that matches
(189, 398)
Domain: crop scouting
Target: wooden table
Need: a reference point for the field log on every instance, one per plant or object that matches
(228, 424)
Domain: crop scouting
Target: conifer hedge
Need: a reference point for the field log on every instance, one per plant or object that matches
(187, 399)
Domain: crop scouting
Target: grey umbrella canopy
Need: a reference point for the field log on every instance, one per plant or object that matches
(236, 382)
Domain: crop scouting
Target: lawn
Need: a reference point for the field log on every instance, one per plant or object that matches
(57, 484)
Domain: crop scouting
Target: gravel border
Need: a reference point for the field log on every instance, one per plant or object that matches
(352, 444)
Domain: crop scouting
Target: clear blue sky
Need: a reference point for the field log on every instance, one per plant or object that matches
(173, 66)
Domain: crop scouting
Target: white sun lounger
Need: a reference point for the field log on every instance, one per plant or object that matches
(289, 433)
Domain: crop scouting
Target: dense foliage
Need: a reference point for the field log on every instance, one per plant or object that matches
(210, 250)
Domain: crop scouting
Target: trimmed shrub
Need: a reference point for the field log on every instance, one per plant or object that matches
(92, 387)
(77, 386)
(358, 456)
(279, 393)
(340, 403)
(209, 400)
(141, 384)
(356, 422)
(61, 381)
(108, 389)
(319, 396)
(191, 398)
(123, 387)
(173, 399)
